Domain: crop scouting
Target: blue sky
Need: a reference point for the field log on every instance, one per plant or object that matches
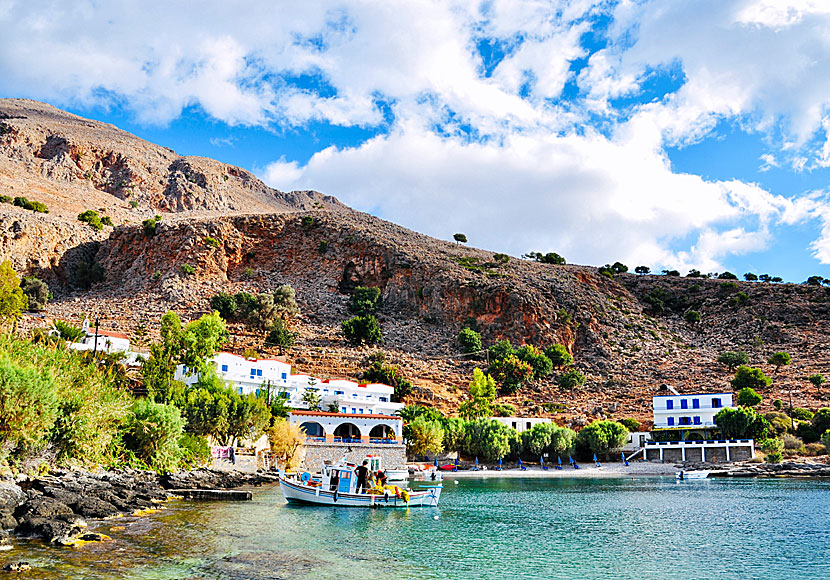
(689, 134)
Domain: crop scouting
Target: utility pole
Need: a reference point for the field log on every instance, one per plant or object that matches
(95, 347)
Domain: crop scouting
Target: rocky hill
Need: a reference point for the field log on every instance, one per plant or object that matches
(627, 334)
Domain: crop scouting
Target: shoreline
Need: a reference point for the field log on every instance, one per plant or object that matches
(589, 470)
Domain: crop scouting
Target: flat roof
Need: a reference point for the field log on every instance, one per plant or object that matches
(691, 395)
(349, 415)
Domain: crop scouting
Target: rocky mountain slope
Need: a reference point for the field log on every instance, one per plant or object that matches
(627, 334)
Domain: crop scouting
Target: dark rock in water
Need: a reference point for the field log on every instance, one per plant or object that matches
(93, 537)
(46, 507)
(7, 520)
(63, 529)
(92, 507)
(11, 496)
(61, 494)
(214, 479)
(267, 565)
(16, 567)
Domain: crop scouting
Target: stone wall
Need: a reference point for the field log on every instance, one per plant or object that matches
(392, 456)
(716, 454)
(740, 453)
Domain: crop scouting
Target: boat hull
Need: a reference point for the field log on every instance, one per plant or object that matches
(296, 492)
(692, 475)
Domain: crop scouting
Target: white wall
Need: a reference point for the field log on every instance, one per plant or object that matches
(521, 424)
(669, 410)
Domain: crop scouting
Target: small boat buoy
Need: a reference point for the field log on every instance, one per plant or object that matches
(456, 482)
(435, 517)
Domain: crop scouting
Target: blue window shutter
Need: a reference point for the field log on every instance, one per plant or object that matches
(669, 404)
(695, 403)
(224, 368)
(684, 404)
(259, 372)
(284, 376)
(671, 421)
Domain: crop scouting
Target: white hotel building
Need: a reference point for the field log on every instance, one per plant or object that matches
(689, 412)
(252, 375)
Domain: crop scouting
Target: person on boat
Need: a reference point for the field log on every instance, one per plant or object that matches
(380, 477)
(362, 473)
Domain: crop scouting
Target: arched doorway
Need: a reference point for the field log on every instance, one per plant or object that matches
(313, 430)
(347, 433)
(382, 432)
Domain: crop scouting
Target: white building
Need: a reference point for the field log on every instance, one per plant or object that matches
(521, 424)
(103, 341)
(325, 427)
(252, 375)
(685, 412)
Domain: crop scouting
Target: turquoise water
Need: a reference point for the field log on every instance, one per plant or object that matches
(496, 528)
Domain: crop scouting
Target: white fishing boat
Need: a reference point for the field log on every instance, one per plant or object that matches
(337, 486)
(684, 475)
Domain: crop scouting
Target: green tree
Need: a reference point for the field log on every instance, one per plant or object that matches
(312, 398)
(750, 377)
(750, 277)
(498, 351)
(727, 276)
(459, 238)
(12, 299)
(642, 270)
(733, 359)
(816, 379)
(387, 374)
(501, 258)
(37, 292)
(559, 355)
(482, 395)
(487, 439)
(511, 373)
(602, 437)
(631, 424)
(549, 258)
(365, 300)
(362, 329)
(814, 281)
(153, 433)
(821, 420)
(225, 305)
(619, 268)
(68, 332)
(741, 423)
(537, 439)
(773, 449)
(779, 359)
(285, 301)
(426, 437)
(200, 340)
(747, 397)
(571, 379)
(279, 336)
(469, 340)
(455, 430)
(692, 317)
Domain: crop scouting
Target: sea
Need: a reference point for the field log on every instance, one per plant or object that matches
(627, 528)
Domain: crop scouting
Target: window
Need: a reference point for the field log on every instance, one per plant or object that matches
(240, 390)
(669, 404)
(684, 404)
(224, 368)
(259, 372)
(697, 420)
(339, 392)
(528, 425)
(354, 411)
(253, 372)
(695, 403)
(354, 395)
(715, 403)
(671, 421)
(685, 420)
(383, 399)
(361, 411)
(514, 424)
(257, 392)
(284, 376)
(343, 410)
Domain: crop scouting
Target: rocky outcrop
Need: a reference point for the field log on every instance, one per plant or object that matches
(786, 469)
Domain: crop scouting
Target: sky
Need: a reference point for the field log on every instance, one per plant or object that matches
(676, 135)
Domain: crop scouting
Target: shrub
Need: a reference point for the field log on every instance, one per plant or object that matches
(602, 437)
(469, 340)
(816, 448)
(150, 225)
(777, 404)
(225, 305)
(364, 300)
(631, 424)
(727, 276)
(37, 292)
(511, 373)
(286, 440)
(750, 277)
(821, 421)
(212, 242)
(307, 223)
(28, 404)
(362, 330)
(779, 422)
(188, 270)
(460, 238)
(559, 355)
(68, 332)
(12, 298)
(504, 410)
(817, 379)
(541, 365)
(133, 203)
(501, 258)
(747, 397)
(750, 377)
(571, 379)
(195, 450)
(549, 258)
(5, 198)
(802, 414)
(323, 247)
(153, 433)
(692, 316)
(35, 206)
(739, 299)
(773, 448)
(387, 374)
(606, 271)
(487, 439)
(107, 221)
(791, 442)
(642, 270)
(733, 359)
(92, 218)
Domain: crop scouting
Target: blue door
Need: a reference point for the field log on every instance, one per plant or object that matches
(345, 482)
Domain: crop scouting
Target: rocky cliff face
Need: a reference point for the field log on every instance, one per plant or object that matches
(627, 334)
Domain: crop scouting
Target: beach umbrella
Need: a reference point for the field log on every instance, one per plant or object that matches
(559, 460)
(456, 461)
(570, 459)
(435, 462)
(623, 457)
(595, 457)
(476, 460)
(499, 460)
(541, 460)
(520, 461)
